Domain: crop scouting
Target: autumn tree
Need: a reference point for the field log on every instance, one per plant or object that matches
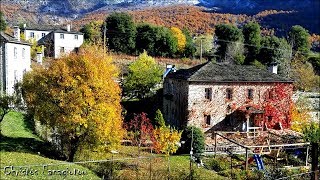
(181, 38)
(252, 39)
(140, 129)
(227, 35)
(300, 116)
(77, 96)
(3, 24)
(121, 32)
(144, 74)
(93, 32)
(166, 140)
(303, 74)
(277, 106)
(299, 39)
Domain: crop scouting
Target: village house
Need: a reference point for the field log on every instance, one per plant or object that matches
(14, 60)
(217, 96)
(56, 42)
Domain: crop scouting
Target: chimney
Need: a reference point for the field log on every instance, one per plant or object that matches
(24, 26)
(273, 67)
(68, 27)
(39, 57)
(16, 33)
(169, 68)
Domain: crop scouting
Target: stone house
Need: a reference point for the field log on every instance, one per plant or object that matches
(215, 96)
(14, 60)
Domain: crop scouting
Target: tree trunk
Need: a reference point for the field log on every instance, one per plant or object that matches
(74, 143)
(314, 161)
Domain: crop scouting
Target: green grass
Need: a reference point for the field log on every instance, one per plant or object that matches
(156, 164)
(43, 168)
(22, 150)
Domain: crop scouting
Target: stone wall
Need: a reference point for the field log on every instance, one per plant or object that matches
(219, 106)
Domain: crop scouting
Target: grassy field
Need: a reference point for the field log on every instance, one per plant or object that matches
(25, 156)
(21, 154)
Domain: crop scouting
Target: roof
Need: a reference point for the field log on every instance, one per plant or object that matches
(7, 38)
(65, 31)
(219, 72)
(51, 28)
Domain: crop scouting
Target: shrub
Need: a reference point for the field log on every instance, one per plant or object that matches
(198, 140)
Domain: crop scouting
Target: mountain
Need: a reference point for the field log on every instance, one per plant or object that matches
(303, 12)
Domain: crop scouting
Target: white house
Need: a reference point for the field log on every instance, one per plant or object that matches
(61, 41)
(14, 60)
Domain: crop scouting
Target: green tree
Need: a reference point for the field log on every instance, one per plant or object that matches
(145, 40)
(299, 39)
(144, 74)
(252, 39)
(190, 48)
(166, 45)
(92, 32)
(312, 134)
(227, 34)
(195, 135)
(121, 32)
(78, 97)
(3, 24)
(276, 49)
(10, 102)
(203, 44)
(159, 120)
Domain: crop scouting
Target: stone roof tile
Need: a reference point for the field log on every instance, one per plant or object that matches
(219, 72)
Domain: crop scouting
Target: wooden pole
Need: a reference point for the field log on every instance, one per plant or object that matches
(215, 144)
(307, 156)
(247, 155)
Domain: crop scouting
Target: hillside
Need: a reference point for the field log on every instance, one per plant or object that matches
(23, 151)
(200, 16)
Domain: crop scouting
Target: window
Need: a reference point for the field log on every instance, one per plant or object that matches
(15, 52)
(208, 93)
(43, 34)
(32, 34)
(61, 49)
(23, 53)
(250, 94)
(75, 36)
(61, 36)
(207, 119)
(229, 94)
(270, 94)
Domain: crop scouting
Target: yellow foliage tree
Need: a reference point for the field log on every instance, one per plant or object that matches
(303, 74)
(177, 33)
(77, 96)
(166, 140)
(300, 116)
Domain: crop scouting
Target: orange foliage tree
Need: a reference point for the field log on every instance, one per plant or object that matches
(77, 96)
